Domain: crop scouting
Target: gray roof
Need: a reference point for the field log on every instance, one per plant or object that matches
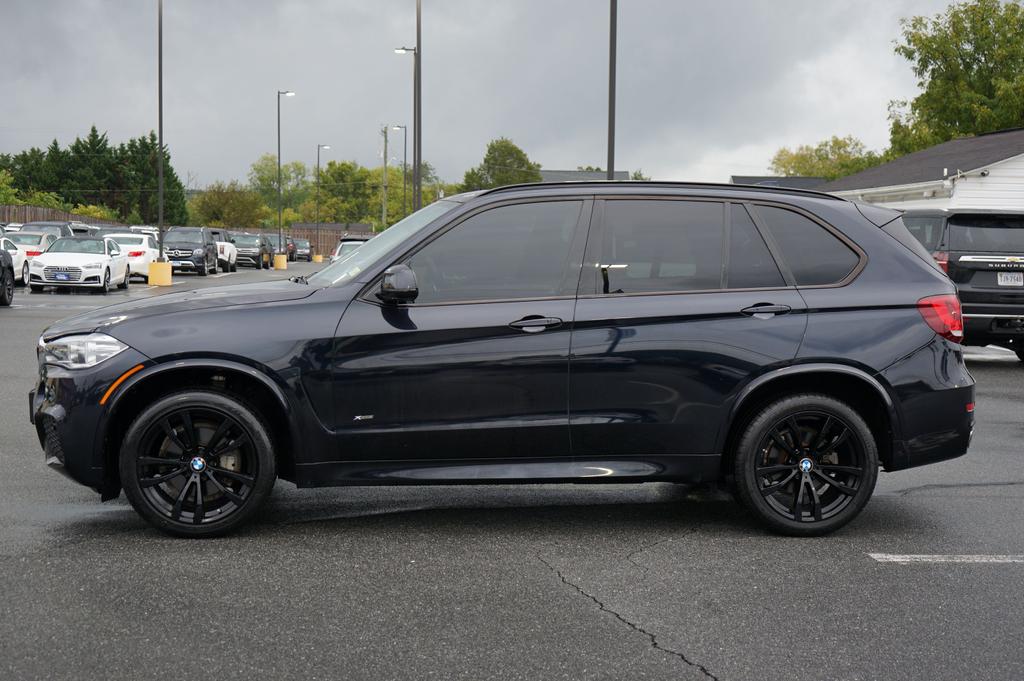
(579, 175)
(964, 153)
(794, 182)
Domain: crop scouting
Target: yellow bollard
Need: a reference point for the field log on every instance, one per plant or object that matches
(159, 274)
(281, 262)
(318, 258)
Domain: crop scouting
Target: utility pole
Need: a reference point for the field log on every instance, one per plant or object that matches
(384, 183)
(613, 21)
(160, 124)
(318, 148)
(417, 121)
(405, 163)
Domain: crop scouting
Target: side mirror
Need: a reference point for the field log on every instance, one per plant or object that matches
(399, 285)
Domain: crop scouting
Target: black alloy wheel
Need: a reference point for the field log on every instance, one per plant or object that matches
(6, 287)
(806, 465)
(197, 464)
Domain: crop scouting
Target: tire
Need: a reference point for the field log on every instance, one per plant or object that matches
(6, 287)
(127, 275)
(105, 288)
(234, 267)
(216, 267)
(223, 266)
(24, 274)
(232, 484)
(833, 443)
(203, 271)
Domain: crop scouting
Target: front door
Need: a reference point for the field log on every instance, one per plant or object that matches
(683, 303)
(476, 367)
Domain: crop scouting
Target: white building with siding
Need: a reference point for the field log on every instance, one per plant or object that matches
(984, 171)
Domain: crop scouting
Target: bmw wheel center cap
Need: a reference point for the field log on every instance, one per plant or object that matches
(805, 465)
(198, 464)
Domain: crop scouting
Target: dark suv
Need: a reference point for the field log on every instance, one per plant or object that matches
(191, 249)
(983, 253)
(786, 341)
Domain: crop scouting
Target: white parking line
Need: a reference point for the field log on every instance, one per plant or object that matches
(946, 558)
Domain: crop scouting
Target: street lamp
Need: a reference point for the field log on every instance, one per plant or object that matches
(318, 148)
(612, 31)
(280, 224)
(417, 122)
(405, 162)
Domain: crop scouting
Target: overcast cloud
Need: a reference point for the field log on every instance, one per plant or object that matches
(705, 89)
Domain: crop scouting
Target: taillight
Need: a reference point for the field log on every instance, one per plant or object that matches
(136, 254)
(942, 258)
(33, 254)
(942, 313)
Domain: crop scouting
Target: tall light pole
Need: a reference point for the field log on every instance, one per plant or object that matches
(405, 163)
(384, 183)
(318, 148)
(280, 224)
(417, 121)
(160, 123)
(612, 29)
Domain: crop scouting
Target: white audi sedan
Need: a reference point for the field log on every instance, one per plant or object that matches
(18, 257)
(141, 250)
(81, 261)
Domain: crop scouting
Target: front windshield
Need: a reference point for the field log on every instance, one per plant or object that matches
(25, 239)
(348, 247)
(347, 269)
(77, 246)
(247, 241)
(301, 243)
(189, 236)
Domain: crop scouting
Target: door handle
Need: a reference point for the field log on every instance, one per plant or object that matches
(765, 310)
(534, 324)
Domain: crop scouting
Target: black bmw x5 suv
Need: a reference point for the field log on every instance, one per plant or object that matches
(788, 342)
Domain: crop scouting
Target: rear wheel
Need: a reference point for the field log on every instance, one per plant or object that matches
(806, 465)
(127, 275)
(24, 274)
(6, 287)
(197, 464)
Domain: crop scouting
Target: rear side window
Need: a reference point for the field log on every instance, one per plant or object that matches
(652, 246)
(897, 230)
(992, 234)
(750, 262)
(814, 255)
(927, 230)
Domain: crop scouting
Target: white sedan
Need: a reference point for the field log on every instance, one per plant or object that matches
(141, 249)
(19, 258)
(30, 244)
(80, 261)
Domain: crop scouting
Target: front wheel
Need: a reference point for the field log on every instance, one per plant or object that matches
(806, 465)
(127, 275)
(105, 288)
(6, 287)
(197, 464)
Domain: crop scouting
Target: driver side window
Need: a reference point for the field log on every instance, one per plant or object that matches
(510, 252)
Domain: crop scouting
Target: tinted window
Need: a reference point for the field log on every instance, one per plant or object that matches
(997, 234)
(247, 241)
(662, 246)
(519, 251)
(927, 230)
(78, 246)
(897, 230)
(813, 254)
(26, 239)
(128, 240)
(750, 262)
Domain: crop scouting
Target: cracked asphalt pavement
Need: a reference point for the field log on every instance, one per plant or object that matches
(653, 581)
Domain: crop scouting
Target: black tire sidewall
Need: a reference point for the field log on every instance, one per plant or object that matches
(230, 405)
(6, 287)
(755, 431)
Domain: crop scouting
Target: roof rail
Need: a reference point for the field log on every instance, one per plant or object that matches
(665, 183)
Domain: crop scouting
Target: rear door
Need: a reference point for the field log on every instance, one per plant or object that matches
(681, 303)
(986, 262)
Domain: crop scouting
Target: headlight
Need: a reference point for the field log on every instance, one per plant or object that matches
(92, 266)
(79, 352)
(198, 251)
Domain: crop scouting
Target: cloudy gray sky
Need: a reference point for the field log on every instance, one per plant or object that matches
(705, 89)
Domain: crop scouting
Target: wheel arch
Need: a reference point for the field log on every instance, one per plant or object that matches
(862, 391)
(244, 382)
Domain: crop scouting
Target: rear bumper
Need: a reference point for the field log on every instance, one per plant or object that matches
(935, 396)
(997, 324)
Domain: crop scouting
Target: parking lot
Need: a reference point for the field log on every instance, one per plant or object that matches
(653, 581)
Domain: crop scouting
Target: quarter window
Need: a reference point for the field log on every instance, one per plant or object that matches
(814, 255)
(662, 246)
(750, 262)
(515, 251)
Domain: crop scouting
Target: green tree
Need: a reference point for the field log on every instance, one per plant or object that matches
(969, 62)
(228, 205)
(504, 163)
(638, 176)
(831, 158)
(295, 181)
(96, 212)
(8, 192)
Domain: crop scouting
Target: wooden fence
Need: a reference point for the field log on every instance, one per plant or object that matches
(324, 237)
(39, 214)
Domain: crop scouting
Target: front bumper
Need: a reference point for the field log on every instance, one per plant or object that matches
(87, 280)
(65, 409)
(190, 264)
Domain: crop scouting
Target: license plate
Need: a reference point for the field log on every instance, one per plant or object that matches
(62, 276)
(1010, 278)
(176, 263)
